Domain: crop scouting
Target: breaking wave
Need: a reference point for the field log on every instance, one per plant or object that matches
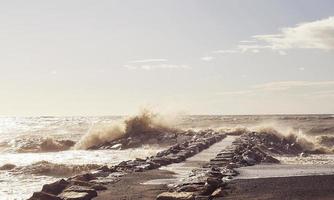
(323, 143)
(46, 168)
(144, 123)
(37, 145)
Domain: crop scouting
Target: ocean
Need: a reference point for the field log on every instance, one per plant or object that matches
(37, 145)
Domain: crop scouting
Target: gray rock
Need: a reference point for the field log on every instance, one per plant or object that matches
(43, 196)
(70, 195)
(56, 187)
(176, 196)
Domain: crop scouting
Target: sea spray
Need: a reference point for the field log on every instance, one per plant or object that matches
(322, 144)
(145, 123)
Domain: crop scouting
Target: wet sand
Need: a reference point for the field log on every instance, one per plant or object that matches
(283, 170)
(283, 188)
(130, 187)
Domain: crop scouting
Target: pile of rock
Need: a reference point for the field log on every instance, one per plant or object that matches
(210, 182)
(85, 186)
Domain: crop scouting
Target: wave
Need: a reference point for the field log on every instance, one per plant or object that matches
(46, 168)
(7, 166)
(325, 140)
(323, 143)
(144, 123)
(37, 145)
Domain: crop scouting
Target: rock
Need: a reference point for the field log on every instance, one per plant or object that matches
(7, 167)
(78, 188)
(249, 160)
(56, 187)
(76, 192)
(99, 187)
(215, 182)
(270, 159)
(76, 196)
(81, 183)
(176, 196)
(43, 196)
(105, 168)
(303, 154)
(190, 188)
(161, 160)
(202, 198)
(116, 147)
(84, 177)
(218, 193)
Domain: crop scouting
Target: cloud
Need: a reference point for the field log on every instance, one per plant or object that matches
(228, 51)
(207, 58)
(152, 64)
(241, 92)
(309, 88)
(309, 35)
(285, 85)
(157, 66)
(149, 60)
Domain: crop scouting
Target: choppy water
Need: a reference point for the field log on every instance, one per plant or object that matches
(17, 131)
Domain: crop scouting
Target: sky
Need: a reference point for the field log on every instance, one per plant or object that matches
(80, 57)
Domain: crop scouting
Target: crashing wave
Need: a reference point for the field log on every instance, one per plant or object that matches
(7, 166)
(46, 168)
(36, 145)
(139, 128)
(318, 144)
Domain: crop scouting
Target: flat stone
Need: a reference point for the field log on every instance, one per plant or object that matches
(69, 195)
(176, 196)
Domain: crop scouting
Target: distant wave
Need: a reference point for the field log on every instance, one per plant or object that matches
(46, 168)
(37, 145)
(322, 143)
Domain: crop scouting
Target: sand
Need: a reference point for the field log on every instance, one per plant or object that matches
(283, 188)
(130, 187)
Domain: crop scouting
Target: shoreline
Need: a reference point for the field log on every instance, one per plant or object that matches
(213, 179)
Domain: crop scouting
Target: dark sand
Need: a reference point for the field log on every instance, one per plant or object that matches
(130, 187)
(283, 188)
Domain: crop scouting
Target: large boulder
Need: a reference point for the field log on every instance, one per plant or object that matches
(56, 187)
(43, 196)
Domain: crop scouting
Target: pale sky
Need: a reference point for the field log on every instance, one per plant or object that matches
(79, 57)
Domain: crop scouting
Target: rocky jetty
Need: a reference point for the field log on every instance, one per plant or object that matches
(211, 181)
(85, 186)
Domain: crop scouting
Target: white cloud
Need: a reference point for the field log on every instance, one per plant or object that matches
(241, 92)
(301, 68)
(227, 51)
(285, 85)
(157, 66)
(310, 35)
(207, 58)
(310, 88)
(149, 60)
